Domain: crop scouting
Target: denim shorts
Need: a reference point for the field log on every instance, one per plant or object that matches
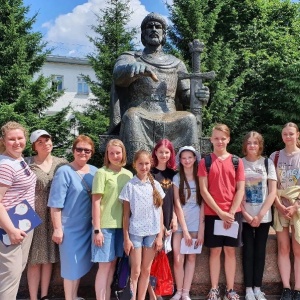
(142, 241)
(112, 247)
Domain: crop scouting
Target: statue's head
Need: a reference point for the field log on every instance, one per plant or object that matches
(153, 22)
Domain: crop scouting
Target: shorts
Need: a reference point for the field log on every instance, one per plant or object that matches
(112, 246)
(142, 241)
(285, 222)
(214, 241)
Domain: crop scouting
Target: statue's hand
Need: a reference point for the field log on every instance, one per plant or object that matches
(140, 69)
(203, 94)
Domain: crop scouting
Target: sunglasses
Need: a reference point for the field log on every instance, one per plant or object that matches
(86, 151)
(24, 166)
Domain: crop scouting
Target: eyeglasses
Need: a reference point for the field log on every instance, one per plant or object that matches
(24, 166)
(86, 151)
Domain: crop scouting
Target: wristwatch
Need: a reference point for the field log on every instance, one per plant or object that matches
(96, 231)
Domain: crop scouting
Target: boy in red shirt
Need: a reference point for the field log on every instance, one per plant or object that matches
(222, 187)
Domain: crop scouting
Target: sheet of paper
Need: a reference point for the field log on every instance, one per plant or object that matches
(167, 243)
(220, 230)
(193, 249)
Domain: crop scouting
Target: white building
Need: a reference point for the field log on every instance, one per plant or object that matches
(67, 72)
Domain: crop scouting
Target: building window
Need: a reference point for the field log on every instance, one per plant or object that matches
(57, 81)
(82, 86)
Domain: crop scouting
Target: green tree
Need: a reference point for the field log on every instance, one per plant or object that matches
(22, 54)
(112, 38)
(253, 47)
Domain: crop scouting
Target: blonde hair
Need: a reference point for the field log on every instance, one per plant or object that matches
(291, 124)
(8, 127)
(117, 143)
(157, 199)
(255, 135)
(222, 127)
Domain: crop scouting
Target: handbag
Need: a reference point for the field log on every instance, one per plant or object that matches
(161, 270)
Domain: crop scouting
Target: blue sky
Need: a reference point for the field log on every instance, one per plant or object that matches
(65, 24)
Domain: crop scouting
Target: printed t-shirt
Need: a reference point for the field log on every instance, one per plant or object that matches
(145, 217)
(109, 184)
(191, 209)
(222, 180)
(256, 188)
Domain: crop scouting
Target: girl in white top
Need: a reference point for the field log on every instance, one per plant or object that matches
(288, 175)
(142, 222)
(260, 192)
(190, 213)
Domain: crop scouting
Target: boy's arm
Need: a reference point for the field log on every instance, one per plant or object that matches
(209, 200)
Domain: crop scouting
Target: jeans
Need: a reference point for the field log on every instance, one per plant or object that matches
(254, 253)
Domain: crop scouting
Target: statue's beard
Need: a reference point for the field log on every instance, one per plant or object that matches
(153, 41)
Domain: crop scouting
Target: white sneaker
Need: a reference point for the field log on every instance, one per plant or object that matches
(260, 296)
(250, 296)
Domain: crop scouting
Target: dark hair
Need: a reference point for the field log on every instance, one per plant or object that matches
(257, 136)
(157, 199)
(165, 143)
(183, 180)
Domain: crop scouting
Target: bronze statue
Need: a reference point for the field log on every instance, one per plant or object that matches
(149, 96)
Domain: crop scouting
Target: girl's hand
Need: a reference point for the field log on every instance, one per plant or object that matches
(128, 246)
(282, 210)
(188, 239)
(57, 236)
(290, 211)
(167, 232)
(98, 239)
(17, 236)
(174, 225)
(255, 221)
(200, 239)
(158, 243)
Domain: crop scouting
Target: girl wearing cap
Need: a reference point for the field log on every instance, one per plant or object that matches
(43, 252)
(17, 183)
(188, 208)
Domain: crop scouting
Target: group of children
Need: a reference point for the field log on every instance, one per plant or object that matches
(187, 195)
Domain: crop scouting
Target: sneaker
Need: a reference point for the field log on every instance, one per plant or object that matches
(260, 296)
(231, 295)
(250, 296)
(286, 294)
(213, 294)
(296, 295)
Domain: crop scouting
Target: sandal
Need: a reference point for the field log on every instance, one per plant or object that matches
(45, 298)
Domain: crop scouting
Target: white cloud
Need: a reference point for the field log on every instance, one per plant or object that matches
(68, 33)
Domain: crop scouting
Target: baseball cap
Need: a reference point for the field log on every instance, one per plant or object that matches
(187, 148)
(37, 133)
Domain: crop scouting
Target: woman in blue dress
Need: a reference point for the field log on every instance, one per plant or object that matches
(71, 213)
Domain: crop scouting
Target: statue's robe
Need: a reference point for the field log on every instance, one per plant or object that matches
(146, 110)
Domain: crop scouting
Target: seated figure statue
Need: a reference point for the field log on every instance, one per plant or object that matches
(148, 95)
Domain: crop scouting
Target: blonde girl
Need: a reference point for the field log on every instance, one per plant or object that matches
(188, 208)
(142, 222)
(287, 163)
(107, 211)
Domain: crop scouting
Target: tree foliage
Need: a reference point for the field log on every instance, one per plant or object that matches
(22, 54)
(253, 46)
(112, 38)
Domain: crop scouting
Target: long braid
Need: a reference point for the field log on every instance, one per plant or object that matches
(157, 199)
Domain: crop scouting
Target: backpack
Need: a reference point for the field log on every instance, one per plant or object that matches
(208, 161)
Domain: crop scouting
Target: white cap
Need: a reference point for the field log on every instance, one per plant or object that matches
(37, 133)
(187, 148)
